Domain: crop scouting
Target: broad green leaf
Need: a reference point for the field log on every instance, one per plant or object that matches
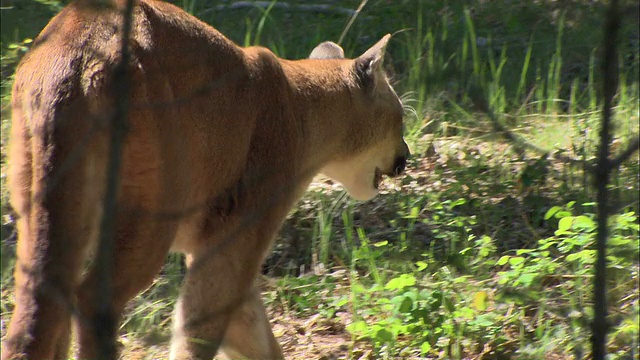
(551, 212)
(483, 320)
(546, 245)
(384, 335)
(583, 222)
(526, 279)
(425, 348)
(585, 256)
(515, 261)
(565, 223)
(503, 260)
(562, 214)
(406, 306)
(400, 282)
(524, 251)
(421, 265)
(424, 294)
(458, 202)
(358, 327)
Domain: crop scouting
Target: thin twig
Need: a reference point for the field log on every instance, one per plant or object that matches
(104, 321)
(351, 21)
(602, 174)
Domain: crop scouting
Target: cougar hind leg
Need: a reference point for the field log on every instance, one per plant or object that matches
(54, 217)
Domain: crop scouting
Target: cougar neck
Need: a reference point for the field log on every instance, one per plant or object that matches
(322, 101)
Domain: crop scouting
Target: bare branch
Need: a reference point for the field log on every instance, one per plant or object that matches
(633, 146)
(104, 320)
(602, 174)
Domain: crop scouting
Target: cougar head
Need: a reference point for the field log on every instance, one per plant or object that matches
(375, 146)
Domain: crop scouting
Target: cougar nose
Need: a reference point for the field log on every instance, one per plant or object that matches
(401, 161)
(399, 165)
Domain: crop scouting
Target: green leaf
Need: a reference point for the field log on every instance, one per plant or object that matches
(551, 212)
(421, 265)
(565, 223)
(562, 214)
(546, 245)
(524, 251)
(381, 243)
(341, 302)
(458, 203)
(618, 240)
(483, 320)
(357, 288)
(358, 327)
(384, 335)
(400, 282)
(583, 222)
(503, 260)
(584, 256)
(515, 261)
(406, 305)
(526, 279)
(425, 348)
(414, 213)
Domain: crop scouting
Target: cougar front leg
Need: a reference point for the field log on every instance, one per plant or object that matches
(215, 286)
(249, 334)
(218, 303)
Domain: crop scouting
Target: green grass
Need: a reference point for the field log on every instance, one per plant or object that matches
(484, 249)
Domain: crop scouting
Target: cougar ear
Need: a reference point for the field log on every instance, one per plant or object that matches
(369, 63)
(327, 50)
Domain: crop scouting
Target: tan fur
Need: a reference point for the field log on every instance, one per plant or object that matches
(222, 141)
